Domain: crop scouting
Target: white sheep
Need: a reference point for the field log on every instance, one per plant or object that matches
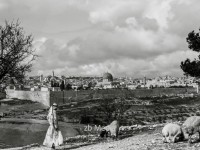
(191, 126)
(112, 128)
(172, 133)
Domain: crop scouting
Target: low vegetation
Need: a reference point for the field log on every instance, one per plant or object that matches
(137, 115)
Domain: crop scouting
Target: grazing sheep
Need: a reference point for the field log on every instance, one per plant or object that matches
(172, 133)
(113, 129)
(191, 126)
(103, 133)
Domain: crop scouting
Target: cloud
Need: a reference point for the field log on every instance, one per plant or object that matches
(89, 37)
(159, 10)
(71, 61)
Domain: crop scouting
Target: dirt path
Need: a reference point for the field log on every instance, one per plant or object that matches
(142, 142)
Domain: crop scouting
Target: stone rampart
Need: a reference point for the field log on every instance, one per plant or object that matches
(61, 97)
(39, 96)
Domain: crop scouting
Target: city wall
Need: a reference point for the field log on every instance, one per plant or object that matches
(39, 96)
(67, 96)
(61, 97)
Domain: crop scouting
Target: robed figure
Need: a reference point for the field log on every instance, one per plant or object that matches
(53, 136)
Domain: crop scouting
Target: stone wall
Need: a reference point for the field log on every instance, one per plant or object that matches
(39, 96)
(61, 97)
(162, 91)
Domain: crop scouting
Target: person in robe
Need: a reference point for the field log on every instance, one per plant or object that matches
(53, 136)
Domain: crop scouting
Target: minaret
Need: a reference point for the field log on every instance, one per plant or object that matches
(52, 80)
(53, 73)
(145, 80)
(41, 78)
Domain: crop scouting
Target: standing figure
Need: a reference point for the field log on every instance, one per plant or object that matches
(53, 136)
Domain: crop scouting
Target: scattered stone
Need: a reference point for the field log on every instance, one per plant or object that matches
(6, 100)
(111, 146)
(1, 114)
(153, 141)
(38, 111)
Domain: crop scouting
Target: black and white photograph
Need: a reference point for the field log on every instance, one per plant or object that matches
(100, 74)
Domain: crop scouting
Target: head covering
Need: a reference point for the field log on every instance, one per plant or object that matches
(55, 105)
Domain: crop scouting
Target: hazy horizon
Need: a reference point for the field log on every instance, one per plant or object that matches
(100, 76)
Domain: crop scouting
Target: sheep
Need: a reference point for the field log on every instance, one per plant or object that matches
(103, 133)
(112, 128)
(191, 126)
(171, 132)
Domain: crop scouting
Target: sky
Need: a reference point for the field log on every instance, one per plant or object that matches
(134, 38)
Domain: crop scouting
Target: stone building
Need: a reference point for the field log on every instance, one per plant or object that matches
(107, 82)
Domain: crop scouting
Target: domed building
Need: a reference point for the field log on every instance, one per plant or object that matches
(107, 82)
(107, 77)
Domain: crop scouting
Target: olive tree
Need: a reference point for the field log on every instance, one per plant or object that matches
(192, 67)
(16, 51)
(113, 108)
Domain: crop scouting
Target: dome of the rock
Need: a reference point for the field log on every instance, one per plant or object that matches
(107, 76)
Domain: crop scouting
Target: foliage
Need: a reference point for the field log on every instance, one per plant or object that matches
(192, 68)
(68, 86)
(54, 83)
(16, 51)
(113, 108)
(62, 85)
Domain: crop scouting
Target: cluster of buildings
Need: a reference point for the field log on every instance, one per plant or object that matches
(107, 81)
(164, 82)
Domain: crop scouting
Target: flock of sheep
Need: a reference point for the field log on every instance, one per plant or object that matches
(174, 133)
(171, 132)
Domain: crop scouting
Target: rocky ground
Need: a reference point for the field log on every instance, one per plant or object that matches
(143, 141)
(147, 137)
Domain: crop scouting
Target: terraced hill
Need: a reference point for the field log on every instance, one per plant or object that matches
(148, 110)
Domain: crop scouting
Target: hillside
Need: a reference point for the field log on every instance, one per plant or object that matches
(143, 114)
(146, 110)
(145, 140)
